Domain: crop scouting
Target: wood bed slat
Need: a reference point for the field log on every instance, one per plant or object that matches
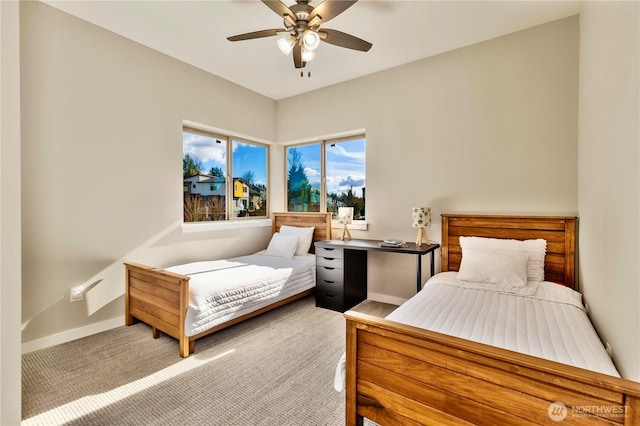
(155, 291)
(392, 405)
(157, 281)
(152, 306)
(373, 381)
(524, 234)
(382, 416)
(507, 222)
(167, 328)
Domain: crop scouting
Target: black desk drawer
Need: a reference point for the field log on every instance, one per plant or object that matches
(332, 288)
(334, 253)
(329, 262)
(328, 274)
(329, 301)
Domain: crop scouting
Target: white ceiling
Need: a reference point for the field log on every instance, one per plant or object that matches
(401, 31)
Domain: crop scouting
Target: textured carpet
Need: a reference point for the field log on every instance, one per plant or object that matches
(275, 369)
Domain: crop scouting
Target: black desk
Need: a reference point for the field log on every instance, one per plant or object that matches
(341, 269)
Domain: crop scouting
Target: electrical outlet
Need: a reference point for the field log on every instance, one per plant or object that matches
(609, 350)
(76, 294)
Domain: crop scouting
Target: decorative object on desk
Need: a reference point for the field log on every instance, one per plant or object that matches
(345, 217)
(392, 243)
(421, 220)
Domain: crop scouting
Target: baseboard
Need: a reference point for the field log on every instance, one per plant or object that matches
(68, 336)
(386, 299)
(78, 333)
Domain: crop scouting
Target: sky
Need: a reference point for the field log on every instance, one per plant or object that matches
(345, 166)
(246, 157)
(345, 161)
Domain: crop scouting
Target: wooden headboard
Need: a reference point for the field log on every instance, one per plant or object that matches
(322, 222)
(559, 231)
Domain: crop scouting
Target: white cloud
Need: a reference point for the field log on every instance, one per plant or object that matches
(338, 150)
(202, 148)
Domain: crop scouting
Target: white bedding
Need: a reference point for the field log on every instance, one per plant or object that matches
(221, 290)
(550, 323)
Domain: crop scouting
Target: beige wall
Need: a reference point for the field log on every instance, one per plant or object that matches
(10, 360)
(609, 164)
(101, 172)
(491, 128)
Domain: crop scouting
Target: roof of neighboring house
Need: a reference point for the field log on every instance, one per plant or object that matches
(204, 178)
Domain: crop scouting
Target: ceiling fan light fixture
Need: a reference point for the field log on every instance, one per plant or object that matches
(310, 39)
(286, 43)
(307, 55)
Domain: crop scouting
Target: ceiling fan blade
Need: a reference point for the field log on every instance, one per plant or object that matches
(338, 38)
(329, 9)
(257, 34)
(278, 7)
(297, 56)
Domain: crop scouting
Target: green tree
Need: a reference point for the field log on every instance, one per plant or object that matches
(297, 179)
(191, 166)
(248, 177)
(216, 171)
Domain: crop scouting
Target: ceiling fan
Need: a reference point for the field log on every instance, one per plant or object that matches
(302, 27)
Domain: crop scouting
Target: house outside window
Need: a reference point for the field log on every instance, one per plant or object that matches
(328, 174)
(209, 162)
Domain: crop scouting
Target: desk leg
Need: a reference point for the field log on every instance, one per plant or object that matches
(433, 261)
(419, 272)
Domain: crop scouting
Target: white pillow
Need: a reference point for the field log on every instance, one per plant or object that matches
(282, 246)
(501, 267)
(536, 249)
(305, 236)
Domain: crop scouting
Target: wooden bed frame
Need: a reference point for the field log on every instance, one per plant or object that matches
(160, 298)
(402, 375)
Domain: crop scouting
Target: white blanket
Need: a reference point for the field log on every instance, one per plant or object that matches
(551, 323)
(221, 290)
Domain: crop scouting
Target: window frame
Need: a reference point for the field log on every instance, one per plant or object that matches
(323, 143)
(228, 138)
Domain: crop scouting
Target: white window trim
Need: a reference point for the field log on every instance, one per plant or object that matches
(225, 224)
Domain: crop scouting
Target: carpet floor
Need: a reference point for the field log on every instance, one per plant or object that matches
(275, 369)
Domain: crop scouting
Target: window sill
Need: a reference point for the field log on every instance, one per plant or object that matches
(356, 225)
(225, 224)
(253, 223)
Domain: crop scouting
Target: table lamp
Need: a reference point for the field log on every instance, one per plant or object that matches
(345, 217)
(421, 220)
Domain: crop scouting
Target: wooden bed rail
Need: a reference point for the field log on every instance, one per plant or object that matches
(402, 375)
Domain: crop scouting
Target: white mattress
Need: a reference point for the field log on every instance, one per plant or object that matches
(221, 290)
(550, 323)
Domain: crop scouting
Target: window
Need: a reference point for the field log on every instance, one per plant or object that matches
(207, 168)
(326, 175)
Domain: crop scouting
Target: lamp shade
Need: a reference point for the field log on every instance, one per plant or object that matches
(286, 43)
(307, 55)
(421, 217)
(310, 39)
(345, 215)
